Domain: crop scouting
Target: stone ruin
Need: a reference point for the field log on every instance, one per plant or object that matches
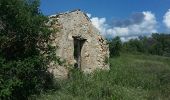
(78, 43)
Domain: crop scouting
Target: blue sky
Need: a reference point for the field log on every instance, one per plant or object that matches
(118, 17)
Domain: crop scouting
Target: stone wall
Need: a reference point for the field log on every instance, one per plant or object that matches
(95, 51)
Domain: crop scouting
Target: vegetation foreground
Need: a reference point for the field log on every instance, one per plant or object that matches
(131, 77)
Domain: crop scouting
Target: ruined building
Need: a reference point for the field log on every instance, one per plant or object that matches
(79, 44)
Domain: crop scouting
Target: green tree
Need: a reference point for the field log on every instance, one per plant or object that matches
(115, 46)
(158, 44)
(24, 40)
(161, 45)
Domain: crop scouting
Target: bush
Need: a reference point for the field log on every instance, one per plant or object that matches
(24, 40)
(115, 46)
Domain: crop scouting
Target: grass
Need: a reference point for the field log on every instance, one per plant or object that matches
(131, 77)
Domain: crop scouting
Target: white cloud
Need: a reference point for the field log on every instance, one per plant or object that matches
(147, 26)
(100, 24)
(166, 19)
(128, 38)
(89, 15)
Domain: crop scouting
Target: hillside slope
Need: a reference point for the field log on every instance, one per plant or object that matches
(132, 77)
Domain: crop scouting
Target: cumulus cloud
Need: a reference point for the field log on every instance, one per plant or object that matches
(143, 23)
(100, 24)
(166, 19)
(89, 15)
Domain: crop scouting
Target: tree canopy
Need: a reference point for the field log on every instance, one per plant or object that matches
(24, 40)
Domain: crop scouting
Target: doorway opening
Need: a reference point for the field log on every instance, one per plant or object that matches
(78, 44)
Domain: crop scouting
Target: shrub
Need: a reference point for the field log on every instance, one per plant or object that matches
(115, 46)
(24, 40)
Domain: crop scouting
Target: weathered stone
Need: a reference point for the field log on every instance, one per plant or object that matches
(76, 30)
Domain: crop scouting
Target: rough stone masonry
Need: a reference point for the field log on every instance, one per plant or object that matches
(78, 43)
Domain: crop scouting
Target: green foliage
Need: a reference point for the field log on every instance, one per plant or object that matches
(131, 77)
(134, 45)
(115, 46)
(161, 45)
(106, 61)
(158, 44)
(24, 40)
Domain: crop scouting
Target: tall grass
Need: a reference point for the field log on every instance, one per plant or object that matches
(131, 77)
